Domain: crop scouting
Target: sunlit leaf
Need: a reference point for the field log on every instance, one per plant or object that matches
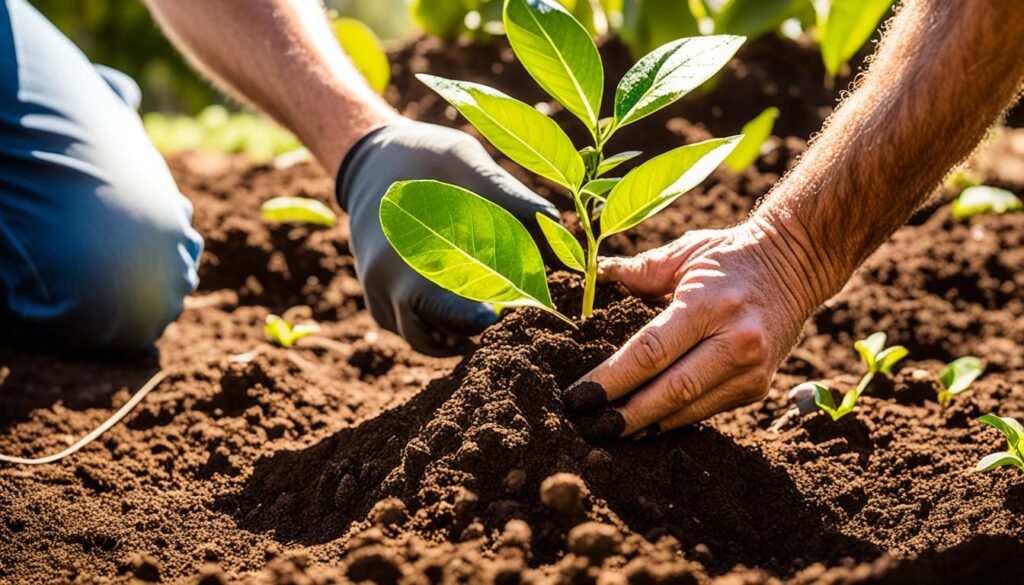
(984, 199)
(559, 54)
(755, 18)
(284, 334)
(525, 135)
(849, 25)
(564, 245)
(888, 357)
(298, 210)
(658, 182)
(612, 162)
(1006, 425)
(869, 348)
(649, 24)
(365, 50)
(1000, 459)
(597, 190)
(464, 243)
(670, 72)
(755, 133)
(440, 18)
(958, 375)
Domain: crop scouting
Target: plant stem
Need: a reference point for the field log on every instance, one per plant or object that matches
(590, 281)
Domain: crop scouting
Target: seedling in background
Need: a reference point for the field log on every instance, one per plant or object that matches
(877, 358)
(474, 248)
(1014, 433)
(284, 333)
(298, 210)
(843, 28)
(755, 133)
(957, 377)
(983, 199)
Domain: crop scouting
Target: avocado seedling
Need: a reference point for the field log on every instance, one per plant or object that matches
(877, 358)
(474, 248)
(981, 199)
(957, 377)
(298, 210)
(284, 333)
(1013, 456)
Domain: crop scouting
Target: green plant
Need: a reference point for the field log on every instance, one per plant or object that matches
(465, 244)
(877, 358)
(365, 49)
(1014, 455)
(298, 210)
(984, 199)
(755, 133)
(843, 28)
(284, 333)
(957, 377)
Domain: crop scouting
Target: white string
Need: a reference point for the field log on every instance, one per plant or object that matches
(113, 420)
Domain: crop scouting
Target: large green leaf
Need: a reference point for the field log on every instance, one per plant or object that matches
(365, 50)
(655, 184)
(670, 72)
(754, 18)
(649, 24)
(755, 133)
(849, 25)
(464, 243)
(559, 53)
(565, 247)
(521, 132)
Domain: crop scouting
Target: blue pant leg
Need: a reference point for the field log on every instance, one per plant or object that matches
(97, 251)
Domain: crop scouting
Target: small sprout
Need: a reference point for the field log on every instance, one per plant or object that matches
(299, 210)
(957, 377)
(755, 134)
(985, 199)
(1013, 455)
(877, 358)
(284, 334)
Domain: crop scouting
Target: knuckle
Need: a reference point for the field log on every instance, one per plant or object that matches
(681, 389)
(649, 351)
(731, 302)
(750, 346)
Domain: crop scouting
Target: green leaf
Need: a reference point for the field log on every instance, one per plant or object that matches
(1000, 459)
(365, 50)
(648, 24)
(658, 182)
(984, 199)
(823, 396)
(849, 25)
(849, 401)
(525, 135)
(959, 374)
(1006, 425)
(440, 18)
(755, 133)
(597, 190)
(612, 162)
(755, 18)
(888, 357)
(565, 246)
(284, 334)
(298, 210)
(869, 348)
(464, 243)
(669, 73)
(559, 54)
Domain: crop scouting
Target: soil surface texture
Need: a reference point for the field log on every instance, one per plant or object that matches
(352, 458)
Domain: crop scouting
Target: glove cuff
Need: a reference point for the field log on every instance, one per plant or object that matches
(351, 161)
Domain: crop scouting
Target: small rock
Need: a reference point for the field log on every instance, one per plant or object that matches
(517, 533)
(474, 531)
(564, 493)
(595, 540)
(803, 397)
(145, 568)
(388, 512)
(514, 480)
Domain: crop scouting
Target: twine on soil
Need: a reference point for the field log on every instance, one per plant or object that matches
(113, 420)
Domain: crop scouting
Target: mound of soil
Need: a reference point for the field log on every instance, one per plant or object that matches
(352, 458)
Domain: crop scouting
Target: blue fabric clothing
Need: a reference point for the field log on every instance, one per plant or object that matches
(97, 251)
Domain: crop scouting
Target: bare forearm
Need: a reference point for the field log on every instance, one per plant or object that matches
(281, 57)
(943, 74)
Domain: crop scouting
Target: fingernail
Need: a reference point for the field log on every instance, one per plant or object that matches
(584, 396)
(608, 424)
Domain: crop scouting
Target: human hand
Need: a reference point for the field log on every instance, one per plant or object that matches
(738, 299)
(430, 318)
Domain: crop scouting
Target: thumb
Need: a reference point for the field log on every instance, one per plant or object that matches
(641, 274)
(435, 321)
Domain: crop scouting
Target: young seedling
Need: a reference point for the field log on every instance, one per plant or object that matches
(877, 358)
(284, 333)
(957, 377)
(755, 133)
(298, 210)
(474, 248)
(984, 199)
(1014, 433)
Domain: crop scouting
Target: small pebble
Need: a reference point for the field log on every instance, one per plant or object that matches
(564, 493)
(595, 540)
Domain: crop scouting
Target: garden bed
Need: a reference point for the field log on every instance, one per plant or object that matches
(351, 456)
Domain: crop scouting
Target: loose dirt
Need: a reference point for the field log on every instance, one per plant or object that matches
(350, 457)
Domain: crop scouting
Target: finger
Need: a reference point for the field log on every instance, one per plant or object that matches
(453, 314)
(639, 273)
(655, 347)
(743, 390)
(701, 370)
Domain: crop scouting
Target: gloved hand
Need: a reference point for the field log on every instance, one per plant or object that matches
(430, 318)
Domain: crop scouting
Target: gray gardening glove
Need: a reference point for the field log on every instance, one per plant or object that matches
(433, 320)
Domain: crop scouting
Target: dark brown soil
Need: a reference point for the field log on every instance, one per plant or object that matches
(350, 457)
